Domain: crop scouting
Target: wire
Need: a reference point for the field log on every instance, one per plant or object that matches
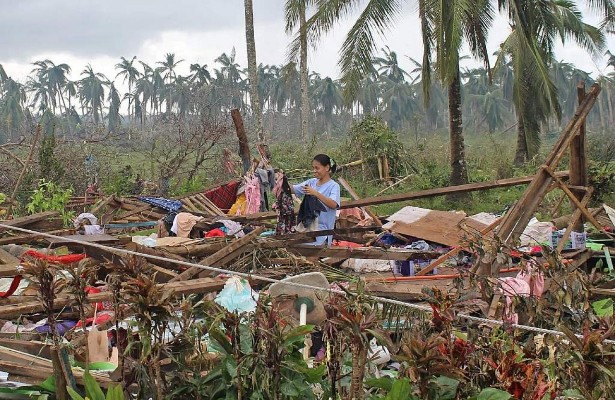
(379, 299)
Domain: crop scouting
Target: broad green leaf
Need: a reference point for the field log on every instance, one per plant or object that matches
(385, 383)
(92, 389)
(49, 385)
(493, 394)
(73, 394)
(603, 308)
(446, 387)
(401, 390)
(115, 392)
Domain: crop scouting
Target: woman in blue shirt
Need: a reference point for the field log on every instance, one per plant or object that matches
(324, 189)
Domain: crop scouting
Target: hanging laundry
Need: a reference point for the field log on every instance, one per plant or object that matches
(240, 206)
(266, 178)
(253, 195)
(284, 206)
(224, 196)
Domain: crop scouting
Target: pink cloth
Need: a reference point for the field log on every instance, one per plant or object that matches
(530, 282)
(253, 195)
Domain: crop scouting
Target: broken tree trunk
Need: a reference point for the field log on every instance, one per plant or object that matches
(244, 147)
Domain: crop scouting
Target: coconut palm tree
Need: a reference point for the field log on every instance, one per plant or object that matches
(530, 48)
(231, 76)
(13, 111)
(611, 60)
(389, 66)
(114, 118)
(200, 75)
(255, 100)
(167, 71)
(129, 72)
(445, 26)
(296, 14)
(54, 77)
(92, 92)
(327, 97)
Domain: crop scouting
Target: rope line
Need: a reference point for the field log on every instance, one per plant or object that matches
(379, 299)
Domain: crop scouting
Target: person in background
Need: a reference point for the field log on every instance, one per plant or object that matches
(325, 189)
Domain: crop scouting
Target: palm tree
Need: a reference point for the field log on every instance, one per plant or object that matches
(130, 73)
(13, 110)
(296, 14)
(327, 96)
(230, 74)
(54, 77)
(389, 66)
(200, 75)
(444, 26)
(167, 67)
(536, 26)
(611, 60)
(255, 100)
(92, 92)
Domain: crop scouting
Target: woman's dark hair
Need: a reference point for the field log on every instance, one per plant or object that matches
(325, 160)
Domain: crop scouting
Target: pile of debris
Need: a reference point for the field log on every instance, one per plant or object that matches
(193, 244)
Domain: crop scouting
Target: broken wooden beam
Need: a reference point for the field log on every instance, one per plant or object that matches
(375, 253)
(234, 247)
(28, 220)
(355, 196)
(422, 194)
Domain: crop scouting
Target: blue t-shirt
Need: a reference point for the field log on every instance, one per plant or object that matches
(326, 219)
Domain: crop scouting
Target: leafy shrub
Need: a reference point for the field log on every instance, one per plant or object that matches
(50, 197)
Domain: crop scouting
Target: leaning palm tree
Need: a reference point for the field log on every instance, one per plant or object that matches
(55, 78)
(255, 100)
(445, 26)
(611, 59)
(530, 48)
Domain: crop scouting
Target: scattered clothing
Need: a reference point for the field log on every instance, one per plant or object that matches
(183, 224)
(215, 233)
(309, 210)
(61, 327)
(233, 228)
(419, 245)
(165, 204)
(326, 218)
(89, 223)
(12, 286)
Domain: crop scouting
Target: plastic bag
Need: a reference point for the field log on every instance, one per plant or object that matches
(237, 295)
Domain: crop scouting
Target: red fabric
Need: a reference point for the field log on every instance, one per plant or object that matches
(224, 196)
(100, 319)
(215, 233)
(66, 259)
(343, 243)
(12, 288)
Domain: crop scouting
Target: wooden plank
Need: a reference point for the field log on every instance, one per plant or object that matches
(444, 227)
(470, 187)
(234, 246)
(456, 250)
(31, 237)
(28, 220)
(374, 253)
(101, 204)
(101, 239)
(159, 252)
(32, 347)
(355, 196)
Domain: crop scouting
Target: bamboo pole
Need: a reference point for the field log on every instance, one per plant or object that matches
(24, 170)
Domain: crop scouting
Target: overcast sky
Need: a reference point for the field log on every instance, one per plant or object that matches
(79, 32)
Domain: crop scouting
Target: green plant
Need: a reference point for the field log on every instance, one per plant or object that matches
(93, 391)
(50, 167)
(49, 196)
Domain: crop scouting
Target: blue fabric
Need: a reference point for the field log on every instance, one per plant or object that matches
(326, 219)
(165, 204)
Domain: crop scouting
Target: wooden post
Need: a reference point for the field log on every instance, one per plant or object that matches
(578, 162)
(244, 147)
(23, 170)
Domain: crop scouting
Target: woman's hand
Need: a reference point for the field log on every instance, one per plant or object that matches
(311, 191)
